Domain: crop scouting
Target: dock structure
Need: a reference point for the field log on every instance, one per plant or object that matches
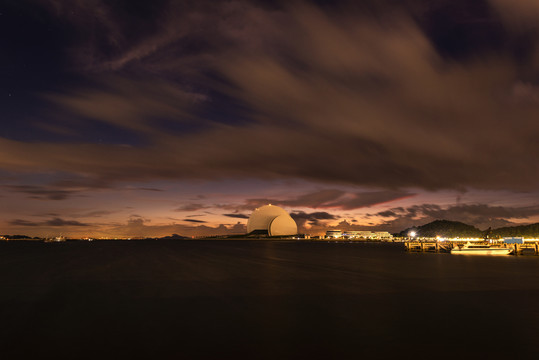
(427, 246)
(529, 247)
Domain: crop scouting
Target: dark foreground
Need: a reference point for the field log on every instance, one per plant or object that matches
(263, 300)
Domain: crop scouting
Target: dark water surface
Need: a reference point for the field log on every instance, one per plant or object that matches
(263, 300)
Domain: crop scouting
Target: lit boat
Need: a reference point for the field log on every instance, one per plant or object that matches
(481, 249)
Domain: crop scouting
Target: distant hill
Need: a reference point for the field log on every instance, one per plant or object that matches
(174, 237)
(530, 231)
(444, 228)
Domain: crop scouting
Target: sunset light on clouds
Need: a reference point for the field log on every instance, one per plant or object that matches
(132, 118)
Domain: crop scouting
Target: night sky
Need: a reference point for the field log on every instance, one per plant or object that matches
(148, 118)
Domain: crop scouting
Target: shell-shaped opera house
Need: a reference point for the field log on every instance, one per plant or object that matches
(271, 220)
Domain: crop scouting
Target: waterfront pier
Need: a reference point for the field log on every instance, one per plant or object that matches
(427, 246)
(527, 247)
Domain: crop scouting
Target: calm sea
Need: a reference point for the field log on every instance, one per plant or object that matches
(263, 300)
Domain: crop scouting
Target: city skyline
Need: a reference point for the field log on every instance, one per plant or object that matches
(137, 118)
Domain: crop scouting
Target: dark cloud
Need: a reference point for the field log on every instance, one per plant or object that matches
(135, 221)
(195, 221)
(62, 222)
(366, 199)
(57, 186)
(333, 198)
(480, 215)
(52, 222)
(483, 210)
(97, 213)
(143, 228)
(41, 192)
(191, 207)
(81, 182)
(519, 15)
(21, 222)
(319, 215)
(464, 210)
(149, 189)
(134, 227)
(380, 95)
(308, 92)
(239, 216)
(387, 213)
(316, 199)
(47, 215)
(313, 219)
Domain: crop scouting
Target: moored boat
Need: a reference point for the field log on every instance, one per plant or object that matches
(481, 249)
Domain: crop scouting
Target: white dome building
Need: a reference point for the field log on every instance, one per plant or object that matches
(271, 220)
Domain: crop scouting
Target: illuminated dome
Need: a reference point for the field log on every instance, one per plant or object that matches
(271, 220)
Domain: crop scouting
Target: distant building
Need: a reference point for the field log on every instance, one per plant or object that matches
(271, 220)
(358, 234)
(355, 234)
(513, 240)
(334, 233)
(382, 235)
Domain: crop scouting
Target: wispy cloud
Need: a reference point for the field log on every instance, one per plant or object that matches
(334, 199)
(55, 222)
(312, 219)
(480, 215)
(191, 207)
(402, 111)
(237, 215)
(396, 97)
(41, 192)
(195, 221)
